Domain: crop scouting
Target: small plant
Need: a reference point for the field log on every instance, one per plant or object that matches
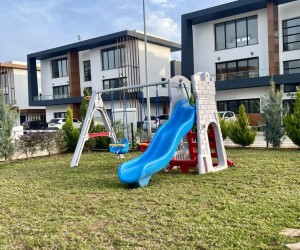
(240, 132)
(292, 122)
(71, 134)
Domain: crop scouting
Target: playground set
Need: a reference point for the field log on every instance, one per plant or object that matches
(191, 138)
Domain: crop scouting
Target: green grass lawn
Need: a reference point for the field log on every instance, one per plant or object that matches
(47, 205)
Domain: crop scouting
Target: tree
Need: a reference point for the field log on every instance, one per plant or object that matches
(8, 119)
(272, 109)
(71, 133)
(240, 132)
(292, 122)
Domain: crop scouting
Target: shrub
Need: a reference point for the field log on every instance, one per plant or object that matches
(103, 141)
(292, 122)
(71, 134)
(240, 132)
(51, 141)
(29, 144)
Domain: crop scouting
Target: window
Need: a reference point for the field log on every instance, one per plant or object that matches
(251, 105)
(245, 68)
(114, 83)
(87, 70)
(89, 89)
(61, 92)
(291, 34)
(291, 67)
(60, 115)
(291, 87)
(163, 85)
(59, 67)
(236, 33)
(113, 58)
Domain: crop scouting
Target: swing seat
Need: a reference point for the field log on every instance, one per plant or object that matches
(119, 148)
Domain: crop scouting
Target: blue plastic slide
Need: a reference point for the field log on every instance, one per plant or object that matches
(138, 172)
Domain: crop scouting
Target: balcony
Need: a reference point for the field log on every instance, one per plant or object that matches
(252, 78)
(50, 97)
(242, 75)
(59, 99)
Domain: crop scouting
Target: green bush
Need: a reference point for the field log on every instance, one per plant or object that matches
(240, 132)
(103, 141)
(71, 134)
(292, 122)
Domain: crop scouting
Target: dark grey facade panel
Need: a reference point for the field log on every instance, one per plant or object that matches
(32, 80)
(57, 101)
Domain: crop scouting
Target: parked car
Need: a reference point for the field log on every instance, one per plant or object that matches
(154, 123)
(163, 119)
(57, 123)
(35, 125)
(228, 115)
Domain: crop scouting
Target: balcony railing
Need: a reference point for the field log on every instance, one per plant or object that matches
(50, 97)
(241, 75)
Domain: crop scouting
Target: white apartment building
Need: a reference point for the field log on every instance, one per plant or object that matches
(105, 62)
(243, 44)
(14, 83)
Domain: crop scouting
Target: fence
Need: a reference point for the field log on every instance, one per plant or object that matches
(260, 142)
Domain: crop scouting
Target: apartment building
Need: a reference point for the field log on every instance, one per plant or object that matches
(14, 83)
(105, 62)
(243, 44)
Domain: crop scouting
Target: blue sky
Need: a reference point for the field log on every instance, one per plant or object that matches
(29, 26)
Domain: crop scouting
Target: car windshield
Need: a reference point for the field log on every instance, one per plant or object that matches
(54, 120)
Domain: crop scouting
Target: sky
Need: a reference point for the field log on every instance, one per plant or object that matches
(29, 26)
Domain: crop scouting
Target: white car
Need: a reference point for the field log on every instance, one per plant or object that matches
(228, 115)
(57, 123)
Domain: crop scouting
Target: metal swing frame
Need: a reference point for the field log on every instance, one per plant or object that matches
(96, 103)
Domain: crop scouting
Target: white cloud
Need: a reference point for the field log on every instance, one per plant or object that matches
(163, 3)
(162, 25)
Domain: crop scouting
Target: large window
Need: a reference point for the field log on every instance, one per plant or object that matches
(114, 83)
(87, 70)
(59, 115)
(113, 58)
(236, 33)
(291, 34)
(251, 105)
(245, 68)
(61, 92)
(59, 67)
(291, 67)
